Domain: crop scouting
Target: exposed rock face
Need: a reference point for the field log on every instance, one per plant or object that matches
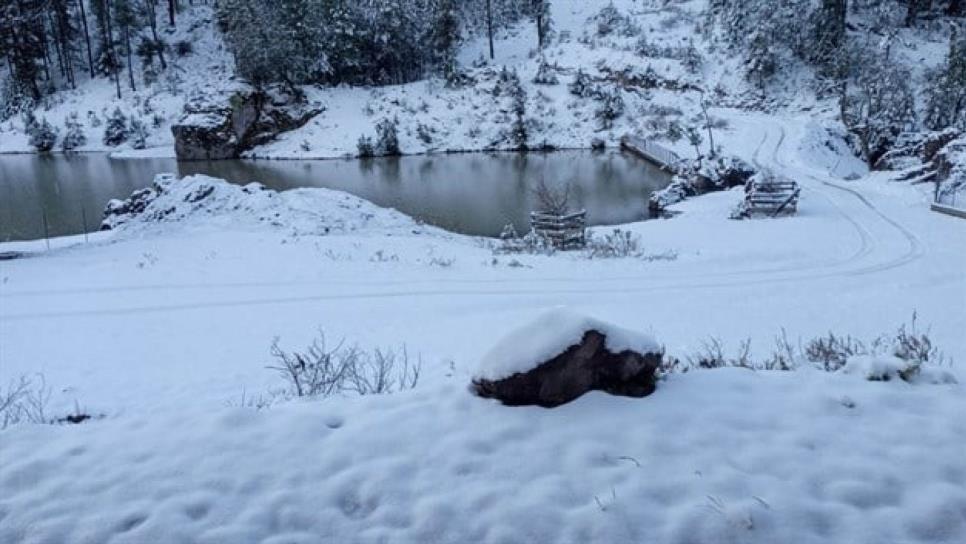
(251, 117)
(584, 367)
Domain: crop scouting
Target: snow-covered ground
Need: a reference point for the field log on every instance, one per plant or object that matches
(164, 328)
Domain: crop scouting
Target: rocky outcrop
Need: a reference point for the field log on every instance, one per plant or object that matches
(583, 367)
(212, 130)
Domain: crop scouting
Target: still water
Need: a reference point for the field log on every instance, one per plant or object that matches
(472, 193)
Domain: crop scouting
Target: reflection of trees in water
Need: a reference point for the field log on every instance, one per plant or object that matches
(476, 193)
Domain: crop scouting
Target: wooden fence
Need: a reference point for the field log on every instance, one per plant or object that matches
(771, 197)
(563, 231)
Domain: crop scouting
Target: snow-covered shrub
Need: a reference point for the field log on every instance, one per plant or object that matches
(614, 245)
(691, 58)
(321, 370)
(74, 135)
(387, 139)
(610, 20)
(611, 107)
(116, 130)
(365, 147)
(24, 400)
(507, 82)
(546, 74)
(43, 136)
(582, 85)
(833, 351)
(425, 133)
(138, 133)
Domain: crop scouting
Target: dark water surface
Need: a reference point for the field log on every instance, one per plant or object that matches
(472, 193)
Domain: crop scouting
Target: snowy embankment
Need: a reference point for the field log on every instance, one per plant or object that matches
(164, 328)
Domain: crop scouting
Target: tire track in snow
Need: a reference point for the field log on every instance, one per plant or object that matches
(744, 278)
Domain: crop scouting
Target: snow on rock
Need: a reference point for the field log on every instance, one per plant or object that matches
(884, 368)
(551, 334)
(203, 199)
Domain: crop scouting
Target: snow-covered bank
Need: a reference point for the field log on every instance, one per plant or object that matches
(715, 456)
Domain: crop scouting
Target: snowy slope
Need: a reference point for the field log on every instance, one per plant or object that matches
(161, 328)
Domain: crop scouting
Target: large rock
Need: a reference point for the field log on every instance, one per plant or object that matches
(571, 355)
(247, 118)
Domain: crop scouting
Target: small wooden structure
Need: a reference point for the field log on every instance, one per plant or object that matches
(770, 196)
(562, 231)
(661, 156)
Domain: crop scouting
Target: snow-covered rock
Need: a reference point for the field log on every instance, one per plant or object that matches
(561, 355)
(202, 199)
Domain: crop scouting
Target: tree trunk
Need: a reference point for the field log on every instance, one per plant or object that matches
(489, 25)
(130, 63)
(87, 37)
(110, 45)
(171, 10)
(153, 16)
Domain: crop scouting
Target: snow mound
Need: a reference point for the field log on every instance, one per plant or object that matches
(550, 334)
(884, 368)
(202, 199)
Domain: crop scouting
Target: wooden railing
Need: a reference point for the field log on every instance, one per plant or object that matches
(656, 153)
(562, 231)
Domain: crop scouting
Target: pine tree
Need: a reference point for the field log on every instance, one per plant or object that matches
(138, 133)
(519, 135)
(74, 136)
(116, 129)
(43, 136)
(446, 37)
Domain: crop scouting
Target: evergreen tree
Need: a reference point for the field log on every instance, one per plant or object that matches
(138, 133)
(43, 136)
(446, 37)
(74, 136)
(519, 135)
(116, 130)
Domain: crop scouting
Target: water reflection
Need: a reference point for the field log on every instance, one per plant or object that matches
(474, 193)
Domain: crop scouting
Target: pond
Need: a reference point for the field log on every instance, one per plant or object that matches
(470, 193)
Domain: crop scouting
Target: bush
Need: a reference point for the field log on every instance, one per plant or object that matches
(116, 130)
(906, 352)
(365, 147)
(321, 371)
(24, 401)
(138, 133)
(43, 136)
(546, 74)
(582, 85)
(387, 142)
(615, 244)
(611, 108)
(74, 136)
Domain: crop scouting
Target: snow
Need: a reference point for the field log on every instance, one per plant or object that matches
(549, 335)
(886, 368)
(163, 327)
